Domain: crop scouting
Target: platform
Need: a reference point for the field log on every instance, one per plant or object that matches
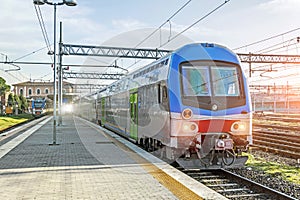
(87, 163)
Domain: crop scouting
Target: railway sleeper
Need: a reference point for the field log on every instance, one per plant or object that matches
(239, 196)
(223, 185)
(234, 190)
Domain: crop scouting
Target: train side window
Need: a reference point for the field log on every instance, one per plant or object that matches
(159, 94)
(162, 94)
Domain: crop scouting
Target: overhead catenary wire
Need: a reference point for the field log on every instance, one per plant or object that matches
(266, 39)
(276, 78)
(17, 77)
(167, 21)
(281, 45)
(42, 26)
(196, 22)
(33, 52)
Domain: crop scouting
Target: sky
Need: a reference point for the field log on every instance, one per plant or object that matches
(116, 23)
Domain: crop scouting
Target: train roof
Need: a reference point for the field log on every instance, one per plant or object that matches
(207, 51)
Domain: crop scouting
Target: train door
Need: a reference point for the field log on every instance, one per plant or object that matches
(103, 111)
(133, 115)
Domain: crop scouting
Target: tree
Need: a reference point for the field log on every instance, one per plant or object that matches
(17, 102)
(24, 103)
(11, 100)
(3, 89)
(10, 104)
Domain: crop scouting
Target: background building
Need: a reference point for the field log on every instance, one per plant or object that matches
(43, 89)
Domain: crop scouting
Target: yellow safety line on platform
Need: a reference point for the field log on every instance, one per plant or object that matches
(172, 184)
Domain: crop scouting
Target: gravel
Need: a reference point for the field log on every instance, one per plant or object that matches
(272, 158)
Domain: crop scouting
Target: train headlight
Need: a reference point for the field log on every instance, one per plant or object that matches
(242, 127)
(189, 127)
(187, 113)
(186, 128)
(238, 126)
(67, 108)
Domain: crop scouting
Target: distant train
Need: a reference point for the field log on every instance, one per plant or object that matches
(192, 106)
(38, 106)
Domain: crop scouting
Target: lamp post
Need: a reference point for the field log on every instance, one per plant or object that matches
(60, 74)
(68, 3)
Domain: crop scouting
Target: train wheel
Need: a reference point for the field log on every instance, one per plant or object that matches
(146, 144)
(141, 143)
(228, 157)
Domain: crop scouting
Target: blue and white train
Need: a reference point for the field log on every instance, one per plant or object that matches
(192, 106)
(38, 106)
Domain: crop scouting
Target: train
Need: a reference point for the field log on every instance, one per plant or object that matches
(38, 106)
(192, 107)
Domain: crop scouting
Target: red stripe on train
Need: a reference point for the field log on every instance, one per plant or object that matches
(215, 125)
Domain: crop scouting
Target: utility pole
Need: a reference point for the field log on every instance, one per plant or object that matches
(60, 79)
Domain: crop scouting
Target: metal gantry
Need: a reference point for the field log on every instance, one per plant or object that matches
(89, 86)
(269, 58)
(85, 50)
(93, 75)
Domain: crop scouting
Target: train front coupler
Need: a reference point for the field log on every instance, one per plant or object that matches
(214, 153)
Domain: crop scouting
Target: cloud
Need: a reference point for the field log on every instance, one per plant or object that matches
(203, 33)
(280, 6)
(127, 24)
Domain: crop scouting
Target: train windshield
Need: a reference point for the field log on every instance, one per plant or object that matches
(38, 104)
(225, 81)
(195, 81)
(205, 80)
(206, 83)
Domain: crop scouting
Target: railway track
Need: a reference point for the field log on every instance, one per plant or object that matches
(278, 127)
(21, 124)
(279, 117)
(283, 143)
(235, 187)
(18, 129)
(278, 134)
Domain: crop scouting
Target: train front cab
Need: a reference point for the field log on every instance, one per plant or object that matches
(210, 108)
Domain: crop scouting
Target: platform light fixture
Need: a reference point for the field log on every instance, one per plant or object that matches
(68, 3)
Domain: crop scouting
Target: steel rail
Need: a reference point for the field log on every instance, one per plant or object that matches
(234, 186)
